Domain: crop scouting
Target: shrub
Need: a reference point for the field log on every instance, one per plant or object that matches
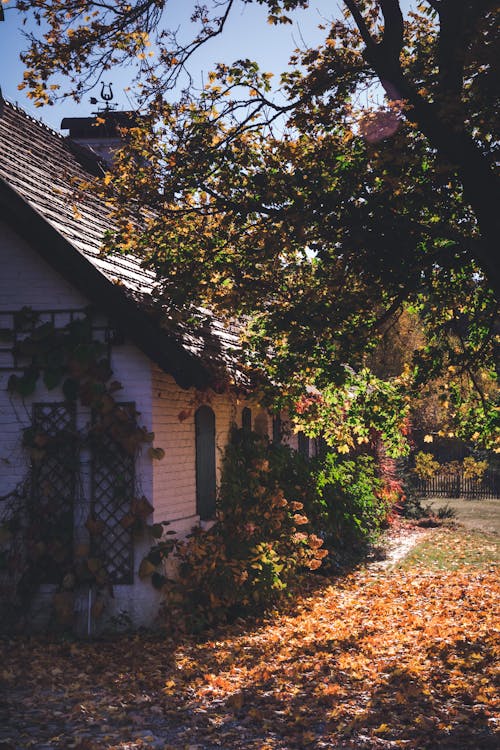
(426, 465)
(474, 469)
(445, 511)
(354, 500)
(275, 510)
(259, 542)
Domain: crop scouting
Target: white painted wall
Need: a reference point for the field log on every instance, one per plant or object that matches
(27, 280)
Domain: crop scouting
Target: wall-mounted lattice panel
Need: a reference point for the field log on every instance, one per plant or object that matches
(17, 325)
(54, 473)
(113, 482)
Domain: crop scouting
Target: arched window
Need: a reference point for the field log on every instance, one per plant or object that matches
(204, 420)
(246, 420)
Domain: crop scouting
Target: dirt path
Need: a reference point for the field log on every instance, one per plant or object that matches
(397, 543)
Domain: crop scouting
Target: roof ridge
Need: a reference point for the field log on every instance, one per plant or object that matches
(17, 107)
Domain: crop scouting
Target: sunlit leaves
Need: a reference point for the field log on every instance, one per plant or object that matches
(305, 212)
(406, 657)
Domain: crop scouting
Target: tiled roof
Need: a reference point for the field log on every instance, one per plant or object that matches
(44, 169)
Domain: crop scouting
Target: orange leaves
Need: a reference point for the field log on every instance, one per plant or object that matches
(403, 659)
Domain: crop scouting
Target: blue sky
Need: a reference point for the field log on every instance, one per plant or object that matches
(246, 35)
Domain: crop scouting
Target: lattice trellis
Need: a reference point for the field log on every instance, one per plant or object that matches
(113, 482)
(54, 475)
(17, 325)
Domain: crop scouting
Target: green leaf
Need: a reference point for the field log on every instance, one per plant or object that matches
(70, 389)
(158, 580)
(52, 377)
(156, 453)
(156, 530)
(154, 556)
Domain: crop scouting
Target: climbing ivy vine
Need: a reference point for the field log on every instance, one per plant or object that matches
(36, 534)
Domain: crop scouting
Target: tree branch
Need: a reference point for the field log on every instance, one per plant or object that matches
(393, 38)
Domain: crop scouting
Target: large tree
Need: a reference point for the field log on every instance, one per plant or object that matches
(440, 67)
(313, 215)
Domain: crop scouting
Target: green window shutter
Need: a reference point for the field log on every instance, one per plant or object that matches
(205, 462)
(246, 420)
(303, 445)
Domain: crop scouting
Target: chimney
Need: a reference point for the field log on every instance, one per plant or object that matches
(101, 133)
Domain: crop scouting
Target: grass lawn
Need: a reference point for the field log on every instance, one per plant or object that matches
(454, 547)
(401, 658)
(473, 514)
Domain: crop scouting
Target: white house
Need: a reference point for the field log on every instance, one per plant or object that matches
(50, 264)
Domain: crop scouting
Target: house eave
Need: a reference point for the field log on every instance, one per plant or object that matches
(125, 313)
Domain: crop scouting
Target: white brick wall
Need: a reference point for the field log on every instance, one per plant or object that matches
(173, 425)
(26, 279)
(174, 428)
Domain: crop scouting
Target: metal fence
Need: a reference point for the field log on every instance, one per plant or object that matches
(457, 485)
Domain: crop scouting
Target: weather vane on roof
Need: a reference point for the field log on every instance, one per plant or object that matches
(106, 96)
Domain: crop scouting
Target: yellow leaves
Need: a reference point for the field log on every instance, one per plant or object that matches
(146, 569)
(344, 448)
(382, 729)
(314, 564)
(300, 536)
(315, 542)
(169, 687)
(320, 554)
(362, 439)
(296, 505)
(428, 439)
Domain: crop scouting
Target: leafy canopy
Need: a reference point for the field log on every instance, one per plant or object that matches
(314, 217)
